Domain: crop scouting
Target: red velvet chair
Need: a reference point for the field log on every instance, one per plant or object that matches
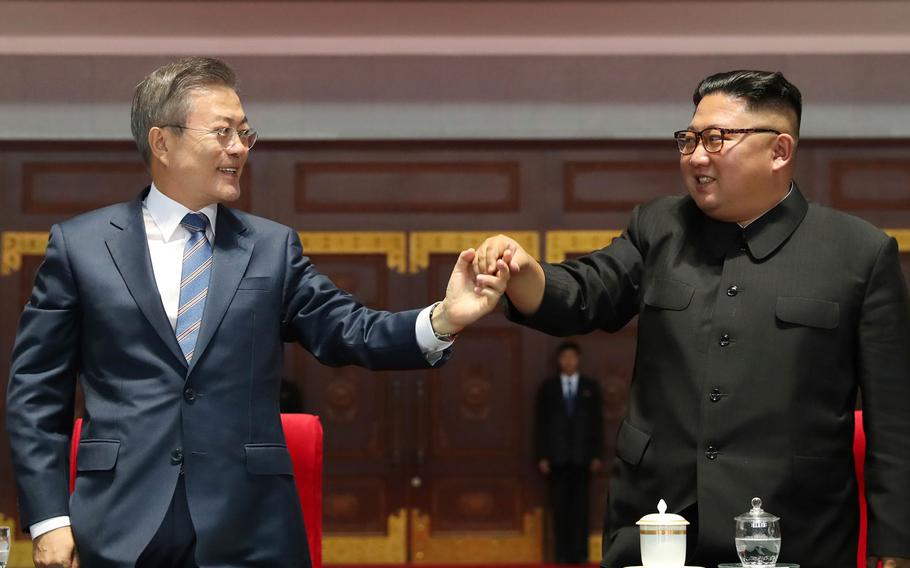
(303, 433)
(859, 460)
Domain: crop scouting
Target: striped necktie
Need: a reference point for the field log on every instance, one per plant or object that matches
(194, 282)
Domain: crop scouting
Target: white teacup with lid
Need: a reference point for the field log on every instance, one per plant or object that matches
(663, 539)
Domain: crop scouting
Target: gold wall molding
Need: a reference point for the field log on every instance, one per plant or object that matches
(17, 244)
(902, 236)
(20, 553)
(595, 552)
(390, 243)
(560, 244)
(391, 548)
(493, 547)
(425, 243)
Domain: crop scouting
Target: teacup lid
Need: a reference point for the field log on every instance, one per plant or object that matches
(662, 517)
(756, 513)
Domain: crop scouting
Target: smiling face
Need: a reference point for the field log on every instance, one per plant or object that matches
(194, 168)
(751, 173)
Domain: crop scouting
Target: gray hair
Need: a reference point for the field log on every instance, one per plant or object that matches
(163, 96)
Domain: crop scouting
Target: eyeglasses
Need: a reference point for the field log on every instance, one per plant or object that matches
(711, 138)
(225, 134)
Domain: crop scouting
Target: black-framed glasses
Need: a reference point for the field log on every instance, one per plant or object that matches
(711, 138)
(225, 134)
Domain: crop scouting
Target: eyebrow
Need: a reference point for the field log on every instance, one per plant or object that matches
(229, 119)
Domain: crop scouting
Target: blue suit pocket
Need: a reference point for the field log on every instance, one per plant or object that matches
(97, 455)
(268, 459)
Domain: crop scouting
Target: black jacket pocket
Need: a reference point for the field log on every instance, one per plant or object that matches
(631, 443)
(669, 294)
(268, 459)
(97, 455)
(256, 283)
(808, 312)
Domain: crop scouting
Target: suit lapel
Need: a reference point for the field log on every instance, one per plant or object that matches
(129, 250)
(231, 255)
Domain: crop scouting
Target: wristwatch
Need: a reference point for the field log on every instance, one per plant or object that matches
(448, 337)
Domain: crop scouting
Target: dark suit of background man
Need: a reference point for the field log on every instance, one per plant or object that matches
(568, 430)
(760, 317)
(172, 310)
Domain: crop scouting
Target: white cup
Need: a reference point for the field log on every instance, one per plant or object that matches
(663, 546)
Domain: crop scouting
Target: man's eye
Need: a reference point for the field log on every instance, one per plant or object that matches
(715, 137)
(223, 131)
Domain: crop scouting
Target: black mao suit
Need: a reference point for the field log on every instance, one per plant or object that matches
(150, 418)
(752, 345)
(569, 436)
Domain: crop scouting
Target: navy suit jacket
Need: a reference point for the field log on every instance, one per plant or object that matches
(95, 313)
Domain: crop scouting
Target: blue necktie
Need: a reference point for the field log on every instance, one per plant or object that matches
(194, 282)
(569, 398)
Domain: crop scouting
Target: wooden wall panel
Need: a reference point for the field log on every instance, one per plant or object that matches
(870, 184)
(481, 503)
(617, 185)
(355, 504)
(68, 188)
(441, 187)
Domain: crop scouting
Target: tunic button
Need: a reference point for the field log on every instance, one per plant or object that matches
(177, 457)
(711, 453)
(715, 395)
(732, 290)
(189, 395)
(724, 340)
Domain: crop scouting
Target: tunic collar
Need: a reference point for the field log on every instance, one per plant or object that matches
(764, 235)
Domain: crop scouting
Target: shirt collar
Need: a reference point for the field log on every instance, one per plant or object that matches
(765, 234)
(167, 213)
(569, 378)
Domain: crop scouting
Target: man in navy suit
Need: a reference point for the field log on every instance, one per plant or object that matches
(172, 310)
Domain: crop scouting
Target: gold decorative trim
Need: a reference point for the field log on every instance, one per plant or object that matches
(390, 243)
(425, 243)
(20, 552)
(481, 548)
(903, 238)
(595, 548)
(391, 548)
(560, 244)
(17, 244)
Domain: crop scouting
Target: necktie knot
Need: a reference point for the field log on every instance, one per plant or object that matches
(194, 222)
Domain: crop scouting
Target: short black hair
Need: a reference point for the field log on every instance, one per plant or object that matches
(568, 346)
(761, 90)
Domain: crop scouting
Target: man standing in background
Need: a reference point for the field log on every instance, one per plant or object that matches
(568, 429)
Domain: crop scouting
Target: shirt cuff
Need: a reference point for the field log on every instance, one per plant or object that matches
(48, 525)
(430, 345)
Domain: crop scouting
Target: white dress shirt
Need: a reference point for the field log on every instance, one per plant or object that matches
(166, 241)
(569, 384)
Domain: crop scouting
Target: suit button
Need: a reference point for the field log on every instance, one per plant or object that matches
(177, 457)
(715, 395)
(724, 340)
(711, 453)
(189, 395)
(733, 290)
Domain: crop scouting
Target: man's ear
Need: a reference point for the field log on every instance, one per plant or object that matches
(158, 144)
(782, 152)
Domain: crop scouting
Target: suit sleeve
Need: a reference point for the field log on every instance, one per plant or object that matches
(41, 395)
(337, 329)
(596, 291)
(884, 349)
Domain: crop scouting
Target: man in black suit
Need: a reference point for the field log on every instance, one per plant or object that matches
(760, 317)
(569, 433)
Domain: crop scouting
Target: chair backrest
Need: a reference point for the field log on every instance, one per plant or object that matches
(859, 461)
(303, 433)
